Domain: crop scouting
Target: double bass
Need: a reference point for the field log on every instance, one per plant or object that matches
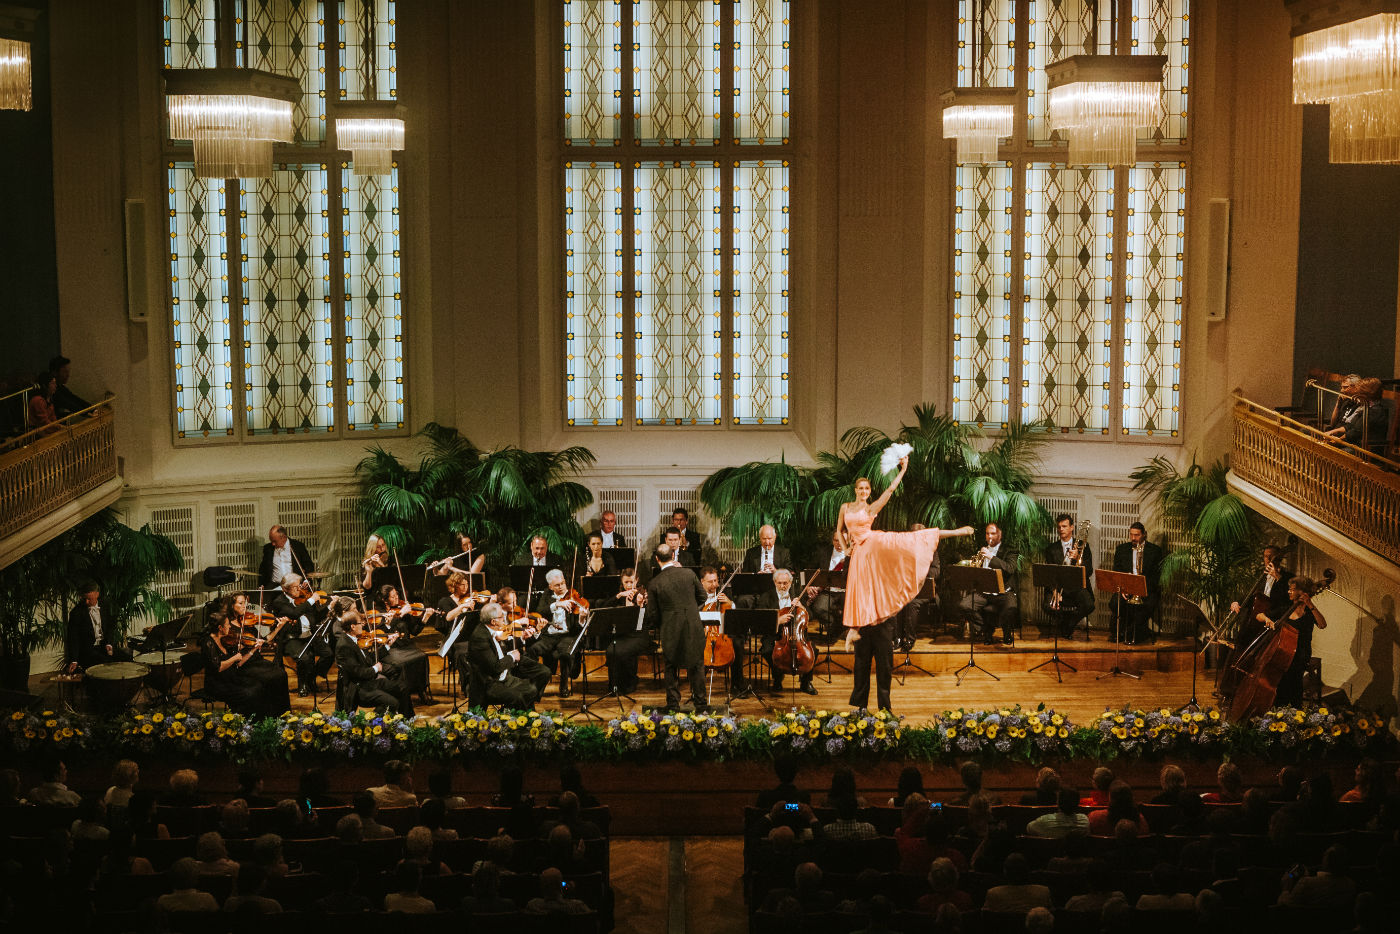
(1246, 628)
(1264, 661)
(794, 653)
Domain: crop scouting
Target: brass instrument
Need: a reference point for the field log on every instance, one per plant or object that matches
(1076, 558)
(1138, 550)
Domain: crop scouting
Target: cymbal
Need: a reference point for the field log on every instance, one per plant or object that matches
(317, 575)
(242, 573)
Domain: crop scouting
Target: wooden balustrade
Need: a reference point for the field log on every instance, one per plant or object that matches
(45, 469)
(1354, 492)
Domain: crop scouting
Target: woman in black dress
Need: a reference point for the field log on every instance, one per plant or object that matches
(597, 562)
(1303, 616)
(407, 657)
(236, 672)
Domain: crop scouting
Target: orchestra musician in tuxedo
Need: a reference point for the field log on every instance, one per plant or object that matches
(674, 540)
(631, 642)
(690, 539)
(989, 610)
(511, 677)
(367, 678)
(674, 597)
(282, 555)
(91, 636)
(539, 555)
(304, 613)
(1274, 583)
(1078, 603)
(779, 598)
(828, 605)
(607, 527)
(767, 556)
(1138, 556)
(563, 615)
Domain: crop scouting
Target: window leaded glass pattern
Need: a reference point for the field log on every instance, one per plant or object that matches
(287, 346)
(1058, 29)
(199, 304)
(986, 45)
(1155, 275)
(677, 299)
(1068, 316)
(1160, 27)
(373, 301)
(762, 235)
(982, 295)
(368, 58)
(189, 33)
(676, 267)
(593, 344)
(287, 37)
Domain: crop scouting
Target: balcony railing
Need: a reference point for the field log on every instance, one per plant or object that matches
(49, 467)
(1344, 486)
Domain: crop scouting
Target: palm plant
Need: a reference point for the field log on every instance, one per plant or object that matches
(1221, 557)
(746, 498)
(500, 498)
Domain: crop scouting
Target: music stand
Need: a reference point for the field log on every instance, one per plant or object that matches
(835, 583)
(746, 623)
(925, 593)
(750, 585)
(600, 587)
(965, 579)
(583, 710)
(1123, 585)
(1061, 577)
(1192, 705)
(622, 558)
(520, 580)
(160, 638)
(381, 576)
(605, 625)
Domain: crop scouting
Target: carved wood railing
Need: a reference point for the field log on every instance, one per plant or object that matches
(1353, 491)
(44, 469)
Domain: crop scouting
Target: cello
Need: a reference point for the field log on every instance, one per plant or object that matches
(794, 653)
(1267, 659)
(719, 648)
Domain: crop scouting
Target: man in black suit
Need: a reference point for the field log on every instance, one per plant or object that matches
(282, 555)
(365, 682)
(607, 525)
(512, 679)
(312, 656)
(539, 555)
(767, 555)
(995, 609)
(91, 637)
(1138, 556)
(779, 598)
(1078, 603)
(828, 604)
(673, 540)
(563, 622)
(673, 609)
(1273, 585)
(906, 622)
(690, 539)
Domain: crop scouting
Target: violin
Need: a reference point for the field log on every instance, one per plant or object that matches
(1267, 659)
(375, 639)
(240, 640)
(307, 595)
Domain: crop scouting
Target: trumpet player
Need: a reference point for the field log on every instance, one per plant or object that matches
(1137, 556)
(989, 610)
(1067, 608)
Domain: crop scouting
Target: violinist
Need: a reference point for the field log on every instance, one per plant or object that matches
(464, 607)
(235, 671)
(563, 611)
(513, 679)
(628, 644)
(674, 596)
(470, 559)
(1303, 615)
(779, 598)
(717, 601)
(376, 557)
(367, 680)
(598, 563)
(407, 620)
(301, 611)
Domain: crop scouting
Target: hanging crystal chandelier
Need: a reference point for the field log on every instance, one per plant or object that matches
(233, 116)
(16, 67)
(1346, 53)
(1100, 101)
(372, 131)
(977, 118)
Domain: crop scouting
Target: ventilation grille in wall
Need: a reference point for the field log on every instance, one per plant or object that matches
(623, 503)
(177, 523)
(300, 517)
(667, 502)
(1115, 515)
(350, 548)
(236, 540)
(1178, 617)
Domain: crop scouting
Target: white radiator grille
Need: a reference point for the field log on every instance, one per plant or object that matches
(299, 518)
(623, 504)
(350, 548)
(177, 523)
(236, 540)
(1115, 516)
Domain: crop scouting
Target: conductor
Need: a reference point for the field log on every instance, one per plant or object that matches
(673, 608)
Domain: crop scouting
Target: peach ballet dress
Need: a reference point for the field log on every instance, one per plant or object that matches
(885, 570)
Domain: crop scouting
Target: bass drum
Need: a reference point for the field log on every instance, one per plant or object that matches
(165, 669)
(113, 686)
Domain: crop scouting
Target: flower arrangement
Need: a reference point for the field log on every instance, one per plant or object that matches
(1008, 732)
(31, 731)
(500, 733)
(1313, 731)
(835, 734)
(1133, 732)
(697, 734)
(178, 731)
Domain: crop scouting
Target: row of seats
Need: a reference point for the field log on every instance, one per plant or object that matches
(372, 922)
(1274, 920)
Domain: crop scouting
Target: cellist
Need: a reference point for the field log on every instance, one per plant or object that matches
(1302, 614)
(716, 601)
(1269, 599)
(779, 598)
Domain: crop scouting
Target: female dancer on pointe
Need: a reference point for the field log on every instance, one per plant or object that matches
(884, 572)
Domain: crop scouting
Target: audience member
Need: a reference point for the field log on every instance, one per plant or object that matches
(125, 775)
(233, 820)
(1254, 813)
(1018, 893)
(807, 891)
(1370, 787)
(843, 784)
(1190, 817)
(405, 898)
(1120, 807)
(520, 821)
(41, 408)
(947, 920)
(785, 768)
(1129, 851)
(432, 813)
(350, 830)
(1047, 789)
(1102, 780)
(1231, 782)
(9, 789)
(368, 810)
(313, 790)
(213, 858)
(184, 790)
(869, 881)
(971, 774)
(53, 791)
(570, 779)
(570, 815)
(250, 789)
(418, 850)
(266, 853)
(911, 781)
(1066, 819)
(486, 898)
(90, 826)
(1099, 880)
(1365, 424)
(1290, 785)
(396, 792)
(1040, 921)
(1329, 888)
(343, 897)
(184, 894)
(1168, 897)
(846, 826)
(943, 889)
(1173, 781)
(65, 401)
(440, 789)
(553, 898)
(120, 861)
(250, 898)
(141, 818)
(878, 916)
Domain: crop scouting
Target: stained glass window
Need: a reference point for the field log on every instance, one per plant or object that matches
(368, 65)
(762, 73)
(1160, 27)
(1154, 287)
(1068, 315)
(592, 71)
(593, 343)
(287, 346)
(287, 37)
(189, 33)
(761, 286)
(986, 44)
(982, 294)
(677, 298)
(199, 304)
(373, 309)
(676, 269)
(1059, 29)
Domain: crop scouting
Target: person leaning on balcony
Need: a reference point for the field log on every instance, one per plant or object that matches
(1346, 400)
(41, 409)
(1365, 424)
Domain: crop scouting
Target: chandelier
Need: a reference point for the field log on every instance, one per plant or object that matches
(1099, 101)
(16, 67)
(233, 116)
(1346, 53)
(977, 118)
(371, 130)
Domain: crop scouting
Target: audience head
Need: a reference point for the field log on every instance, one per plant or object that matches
(286, 817)
(407, 877)
(1103, 778)
(843, 781)
(1173, 778)
(948, 919)
(560, 839)
(125, 773)
(1125, 831)
(209, 847)
(1369, 389)
(314, 782)
(60, 366)
(350, 829)
(486, 881)
(1117, 914)
(1016, 869)
(398, 772)
(782, 838)
(267, 850)
(942, 875)
(233, 819)
(1040, 921)
(571, 779)
(911, 781)
(432, 813)
(364, 805)
(1230, 778)
(500, 849)
(551, 883)
(1120, 800)
(1068, 801)
(881, 912)
(807, 877)
(1336, 859)
(185, 782)
(971, 774)
(785, 768)
(1370, 779)
(1290, 781)
(1047, 782)
(569, 807)
(418, 844)
(54, 770)
(184, 874)
(845, 805)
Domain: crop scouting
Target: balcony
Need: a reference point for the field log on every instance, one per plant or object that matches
(55, 477)
(1338, 496)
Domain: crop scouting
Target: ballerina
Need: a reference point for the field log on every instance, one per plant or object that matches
(884, 572)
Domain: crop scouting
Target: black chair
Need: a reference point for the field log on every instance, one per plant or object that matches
(191, 664)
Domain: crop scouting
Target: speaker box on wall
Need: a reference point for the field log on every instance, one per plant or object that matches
(1218, 257)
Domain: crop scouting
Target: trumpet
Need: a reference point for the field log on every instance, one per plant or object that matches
(1074, 559)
